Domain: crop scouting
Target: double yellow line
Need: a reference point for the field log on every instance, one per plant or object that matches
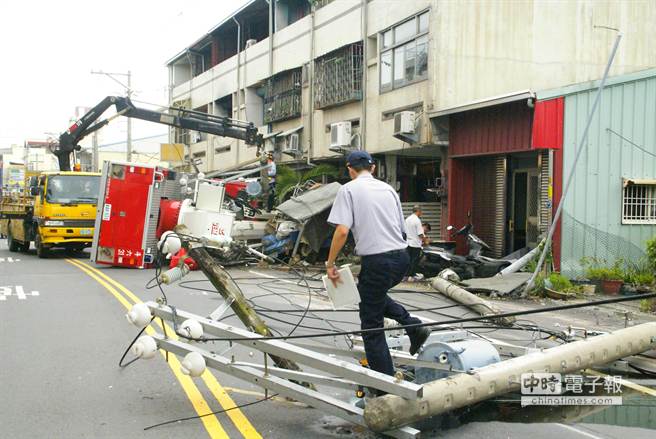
(211, 423)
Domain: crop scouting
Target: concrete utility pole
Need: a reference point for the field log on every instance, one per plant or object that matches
(129, 154)
(94, 145)
(464, 389)
(128, 89)
(229, 290)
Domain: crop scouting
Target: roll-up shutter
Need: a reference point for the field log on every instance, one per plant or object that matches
(545, 200)
(489, 202)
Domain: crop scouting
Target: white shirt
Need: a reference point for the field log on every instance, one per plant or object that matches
(414, 230)
(371, 209)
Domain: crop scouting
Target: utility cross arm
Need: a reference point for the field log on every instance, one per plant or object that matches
(179, 118)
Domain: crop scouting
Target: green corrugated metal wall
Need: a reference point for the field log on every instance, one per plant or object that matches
(592, 216)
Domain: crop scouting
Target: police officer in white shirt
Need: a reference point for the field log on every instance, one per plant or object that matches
(371, 210)
(415, 232)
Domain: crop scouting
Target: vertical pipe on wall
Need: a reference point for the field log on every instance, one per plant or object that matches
(365, 56)
(310, 151)
(271, 6)
(238, 83)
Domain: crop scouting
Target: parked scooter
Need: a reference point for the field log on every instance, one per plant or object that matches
(435, 259)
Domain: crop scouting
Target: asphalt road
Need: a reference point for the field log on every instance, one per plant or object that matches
(63, 330)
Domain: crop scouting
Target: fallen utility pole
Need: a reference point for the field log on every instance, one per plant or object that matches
(472, 301)
(443, 395)
(231, 293)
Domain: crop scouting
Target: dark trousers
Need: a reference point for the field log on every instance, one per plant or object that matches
(272, 196)
(379, 273)
(414, 253)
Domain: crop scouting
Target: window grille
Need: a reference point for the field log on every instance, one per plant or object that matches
(338, 77)
(282, 96)
(639, 204)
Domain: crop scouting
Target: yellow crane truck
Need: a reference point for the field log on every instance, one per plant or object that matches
(58, 209)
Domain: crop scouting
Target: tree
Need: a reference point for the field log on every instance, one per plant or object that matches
(287, 179)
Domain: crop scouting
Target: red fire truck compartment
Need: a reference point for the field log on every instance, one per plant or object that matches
(127, 210)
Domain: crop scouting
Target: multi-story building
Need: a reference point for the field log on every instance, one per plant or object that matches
(467, 70)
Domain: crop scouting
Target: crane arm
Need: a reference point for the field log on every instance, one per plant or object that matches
(179, 118)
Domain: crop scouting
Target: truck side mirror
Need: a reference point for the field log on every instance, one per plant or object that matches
(34, 191)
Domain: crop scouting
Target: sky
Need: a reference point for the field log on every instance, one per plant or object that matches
(49, 49)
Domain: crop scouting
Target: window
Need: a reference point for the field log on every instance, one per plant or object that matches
(639, 203)
(404, 53)
(338, 76)
(282, 96)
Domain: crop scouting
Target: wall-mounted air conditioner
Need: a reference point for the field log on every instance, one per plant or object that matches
(292, 145)
(340, 136)
(404, 126)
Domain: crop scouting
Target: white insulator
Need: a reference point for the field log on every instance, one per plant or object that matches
(193, 364)
(139, 315)
(170, 243)
(183, 181)
(201, 176)
(191, 328)
(174, 274)
(145, 347)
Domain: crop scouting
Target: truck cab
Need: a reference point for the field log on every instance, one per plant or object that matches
(60, 212)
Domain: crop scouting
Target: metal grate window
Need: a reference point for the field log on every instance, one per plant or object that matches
(338, 77)
(639, 204)
(282, 96)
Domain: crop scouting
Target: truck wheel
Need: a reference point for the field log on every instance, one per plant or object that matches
(12, 243)
(41, 250)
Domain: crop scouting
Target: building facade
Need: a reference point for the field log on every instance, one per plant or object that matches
(467, 70)
(610, 210)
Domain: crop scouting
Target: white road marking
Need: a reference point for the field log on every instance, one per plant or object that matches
(576, 430)
(9, 259)
(7, 291)
(4, 292)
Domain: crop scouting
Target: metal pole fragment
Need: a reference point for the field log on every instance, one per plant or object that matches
(320, 401)
(278, 349)
(521, 262)
(580, 149)
(443, 395)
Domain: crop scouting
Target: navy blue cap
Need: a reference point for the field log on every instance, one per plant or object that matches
(359, 158)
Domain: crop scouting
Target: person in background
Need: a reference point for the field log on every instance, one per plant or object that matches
(415, 239)
(427, 228)
(371, 210)
(271, 172)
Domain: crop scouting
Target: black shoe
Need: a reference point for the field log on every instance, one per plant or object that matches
(419, 339)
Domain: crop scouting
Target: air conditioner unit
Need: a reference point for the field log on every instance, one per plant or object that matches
(340, 136)
(292, 145)
(404, 126)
